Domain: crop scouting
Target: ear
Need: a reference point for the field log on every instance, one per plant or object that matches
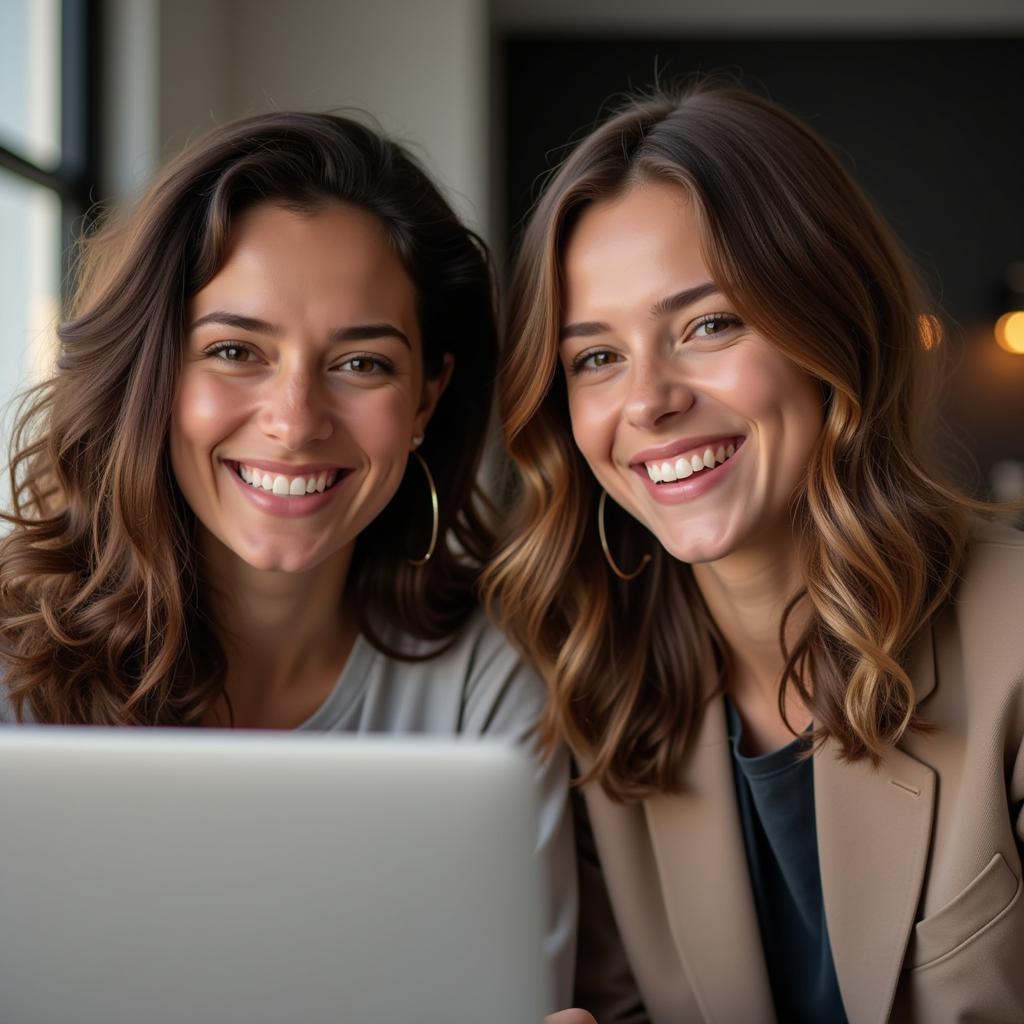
(433, 389)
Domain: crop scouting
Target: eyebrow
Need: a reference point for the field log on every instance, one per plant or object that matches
(367, 332)
(672, 304)
(358, 332)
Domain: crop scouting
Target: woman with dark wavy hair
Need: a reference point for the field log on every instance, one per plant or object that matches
(786, 654)
(247, 497)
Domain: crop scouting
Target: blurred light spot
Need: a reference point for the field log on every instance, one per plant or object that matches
(930, 329)
(1007, 480)
(1010, 332)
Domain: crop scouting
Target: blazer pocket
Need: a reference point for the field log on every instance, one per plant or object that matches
(968, 913)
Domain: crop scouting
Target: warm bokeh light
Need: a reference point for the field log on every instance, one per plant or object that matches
(1010, 332)
(931, 330)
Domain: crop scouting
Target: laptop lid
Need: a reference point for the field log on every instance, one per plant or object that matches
(196, 877)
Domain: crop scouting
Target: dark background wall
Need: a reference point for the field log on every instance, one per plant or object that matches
(933, 129)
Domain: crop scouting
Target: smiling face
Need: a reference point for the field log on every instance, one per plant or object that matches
(692, 421)
(301, 390)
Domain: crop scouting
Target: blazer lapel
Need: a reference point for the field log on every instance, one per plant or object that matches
(698, 848)
(874, 834)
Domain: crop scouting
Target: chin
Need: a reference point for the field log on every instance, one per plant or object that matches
(277, 559)
(695, 545)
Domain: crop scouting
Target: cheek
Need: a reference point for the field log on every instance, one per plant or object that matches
(767, 386)
(800, 405)
(592, 425)
(206, 409)
(808, 416)
(789, 402)
(749, 379)
(379, 420)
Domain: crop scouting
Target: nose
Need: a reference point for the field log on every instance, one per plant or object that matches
(656, 392)
(294, 410)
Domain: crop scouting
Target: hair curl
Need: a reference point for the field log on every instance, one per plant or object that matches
(102, 617)
(793, 242)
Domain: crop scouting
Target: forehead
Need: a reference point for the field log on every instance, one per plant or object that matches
(646, 243)
(336, 261)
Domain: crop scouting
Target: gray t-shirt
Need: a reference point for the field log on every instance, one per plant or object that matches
(478, 687)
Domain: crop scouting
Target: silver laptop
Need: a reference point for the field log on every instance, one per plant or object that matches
(177, 877)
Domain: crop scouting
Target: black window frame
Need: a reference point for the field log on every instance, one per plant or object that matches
(75, 178)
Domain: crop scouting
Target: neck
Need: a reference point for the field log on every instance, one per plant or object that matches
(286, 636)
(747, 594)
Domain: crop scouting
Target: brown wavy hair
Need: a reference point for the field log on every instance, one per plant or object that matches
(793, 242)
(101, 610)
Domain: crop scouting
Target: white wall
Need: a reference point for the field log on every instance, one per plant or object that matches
(131, 95)
(420, 68)
(197, 52)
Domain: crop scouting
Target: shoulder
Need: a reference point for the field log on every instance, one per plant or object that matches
(488, 658)
(501, 693)
(978, 638)
(481, 642)
(477, 648)
(990, 594)
(476, 676)
(995, 557)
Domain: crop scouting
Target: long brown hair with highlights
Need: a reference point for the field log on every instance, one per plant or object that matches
(101, 610)
(799, 250)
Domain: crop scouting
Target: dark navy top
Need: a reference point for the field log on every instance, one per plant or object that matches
(775, 794)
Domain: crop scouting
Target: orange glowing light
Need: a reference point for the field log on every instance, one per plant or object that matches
(930, 329)
(1010, 332)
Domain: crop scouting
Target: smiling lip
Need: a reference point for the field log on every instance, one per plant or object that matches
(286, 468)
(674, 449)
(288, 506)
(691, 487)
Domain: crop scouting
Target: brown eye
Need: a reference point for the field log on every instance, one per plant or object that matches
(366, 366)
(230, 352)
(713, 326)
(594, 360)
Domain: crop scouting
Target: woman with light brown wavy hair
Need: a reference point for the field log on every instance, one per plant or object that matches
(247, 497)
(786, 654)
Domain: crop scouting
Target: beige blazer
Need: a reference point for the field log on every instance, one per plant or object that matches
(920, 858)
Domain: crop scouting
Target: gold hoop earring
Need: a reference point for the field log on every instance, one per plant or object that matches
(435, 515)
(607, 553)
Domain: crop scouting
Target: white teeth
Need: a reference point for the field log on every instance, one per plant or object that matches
(683, 467)
(279, 484)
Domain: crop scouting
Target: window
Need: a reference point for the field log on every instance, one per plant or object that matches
(48, 145)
